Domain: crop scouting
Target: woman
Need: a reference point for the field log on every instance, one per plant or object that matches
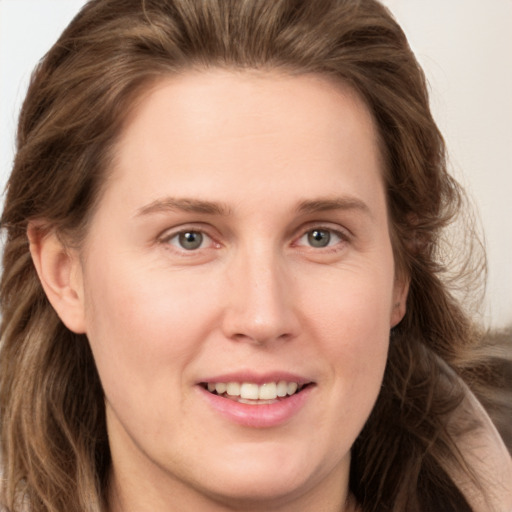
(217, 214)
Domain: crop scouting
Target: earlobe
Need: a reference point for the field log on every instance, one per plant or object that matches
(60, 273)
(400, 301)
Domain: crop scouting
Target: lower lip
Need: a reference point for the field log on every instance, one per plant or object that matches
(258, 416)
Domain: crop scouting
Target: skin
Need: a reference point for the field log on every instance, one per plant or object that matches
(275, 157)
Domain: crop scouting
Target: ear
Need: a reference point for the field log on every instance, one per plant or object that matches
(60, 272)
(400, 291)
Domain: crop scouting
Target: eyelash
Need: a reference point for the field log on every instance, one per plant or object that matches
(168, 238)
(342, 238)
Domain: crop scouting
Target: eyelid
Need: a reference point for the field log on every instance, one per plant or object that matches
(167, 235)
(344, 234)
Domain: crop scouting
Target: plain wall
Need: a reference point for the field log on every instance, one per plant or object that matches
(465, 47)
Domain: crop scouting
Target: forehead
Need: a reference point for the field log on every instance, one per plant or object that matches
(251, 128)
(210, 97)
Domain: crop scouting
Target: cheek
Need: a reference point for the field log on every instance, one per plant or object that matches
(352, 308)
(348, 318)
(143, 329)
(358, 346)
(351, 320)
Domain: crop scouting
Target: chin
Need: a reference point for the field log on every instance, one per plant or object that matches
(268, 479)
(250, 488)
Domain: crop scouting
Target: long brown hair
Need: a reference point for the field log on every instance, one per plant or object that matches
(53, 434)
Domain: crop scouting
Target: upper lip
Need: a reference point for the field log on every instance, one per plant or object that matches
(257, 378)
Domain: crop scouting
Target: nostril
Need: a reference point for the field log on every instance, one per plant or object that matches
(260, 335)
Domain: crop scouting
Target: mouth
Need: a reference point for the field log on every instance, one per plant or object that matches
(256, 394)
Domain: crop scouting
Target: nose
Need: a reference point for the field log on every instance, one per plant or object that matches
(260, 299)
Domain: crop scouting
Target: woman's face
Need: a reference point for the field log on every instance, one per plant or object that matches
(241, 250)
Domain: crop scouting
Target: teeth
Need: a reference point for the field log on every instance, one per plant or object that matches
(292, 387)
(282, 388)
(252, 391)
(249, 391)
(220, 387)
(268, 391)
(233, 389)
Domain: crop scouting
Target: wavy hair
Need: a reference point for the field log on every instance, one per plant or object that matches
(54, 444)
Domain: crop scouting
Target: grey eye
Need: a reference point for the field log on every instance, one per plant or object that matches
(190, 240)
(319, 238)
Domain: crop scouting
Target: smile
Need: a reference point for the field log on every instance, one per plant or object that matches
(252, 393)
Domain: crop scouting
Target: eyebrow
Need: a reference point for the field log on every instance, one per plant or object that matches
(171, 204)
(335, 203)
